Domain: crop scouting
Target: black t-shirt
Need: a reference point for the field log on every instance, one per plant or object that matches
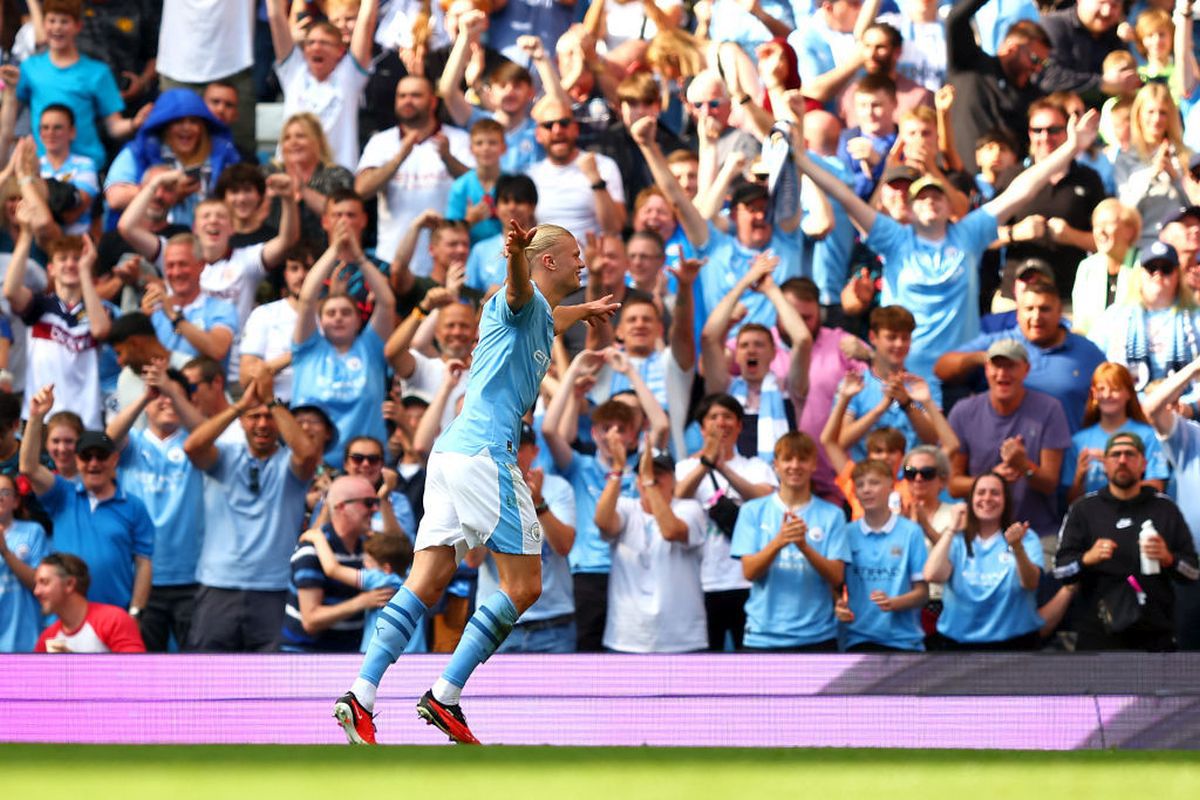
(112, 247)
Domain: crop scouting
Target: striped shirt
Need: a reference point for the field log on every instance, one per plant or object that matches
(341, 637)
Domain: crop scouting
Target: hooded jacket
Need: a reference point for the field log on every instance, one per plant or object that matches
(148, 147)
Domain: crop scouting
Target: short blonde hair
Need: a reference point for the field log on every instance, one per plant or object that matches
(545, 238)
(1126, 215)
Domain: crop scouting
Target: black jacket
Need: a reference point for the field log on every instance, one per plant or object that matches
(1099, 515)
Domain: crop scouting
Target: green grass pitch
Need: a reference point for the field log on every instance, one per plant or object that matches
(442, 773)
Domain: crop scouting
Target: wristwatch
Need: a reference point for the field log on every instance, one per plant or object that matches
(600, 184)
(135, 612)
(176, 321)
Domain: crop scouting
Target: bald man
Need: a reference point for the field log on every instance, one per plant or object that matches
(324, 615)
(579, 190)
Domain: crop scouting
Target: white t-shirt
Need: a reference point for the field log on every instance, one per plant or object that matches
(333, 100)
(36, 281)
(268, 334)
(60, 349)
(625, 21)
(203, 40)
(235, 278)
(719, 571)
(395, 28)
(421, 182)
(565, 196)
(655, 601)
(427, 376)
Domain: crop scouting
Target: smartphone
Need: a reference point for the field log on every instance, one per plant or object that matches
(194, 173)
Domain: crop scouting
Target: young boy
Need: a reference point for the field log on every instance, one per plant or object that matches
(63, 75)
(473, 194)
(386, 561)
(880, 607)
(864, 149)
(995, 152)
(66, 326)
(887, 397)
(794, 550)
(57, 131)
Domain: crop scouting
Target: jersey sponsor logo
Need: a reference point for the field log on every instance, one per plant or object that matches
(1124, 522)
(76, 343)
(541, 358)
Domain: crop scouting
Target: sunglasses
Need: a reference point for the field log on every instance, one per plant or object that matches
(549, 124)
(370, 503)
(365, 458)
(192, 387)
(1034, 58)
(925, 473)
(1164, 268)
(91, 455)
(1049, 130)
(255, 486)
(712, 105)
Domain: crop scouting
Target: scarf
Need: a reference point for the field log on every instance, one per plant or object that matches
(1137, 346)
(772, 417)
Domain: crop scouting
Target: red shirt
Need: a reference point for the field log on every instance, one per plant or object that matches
(105, 629)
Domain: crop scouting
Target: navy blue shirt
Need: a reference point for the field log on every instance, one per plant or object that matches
(342, 637)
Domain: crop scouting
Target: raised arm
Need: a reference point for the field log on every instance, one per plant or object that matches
(306, 453)
(1160, 404)
(310, 290)
(1081, 133)
(656, 417)
(29, 460)
(518, 289)
(372, 179)
(714, 360)
(329, 561)
(470, 27)
(541, 61)
(560, 447)
(831, 435)
(607, 519)
(431, 418)
(791, 323)
(694, 227)
(860, 213)
(932, 425)
(682, 338)
(19, 295)
(201, 445)
(280, 185)
(132, 224)
(364, 32)
(99, 322)
(281, 32)
(670, 526)
(938, 568)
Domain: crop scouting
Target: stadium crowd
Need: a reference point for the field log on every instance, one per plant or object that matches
(905, 360)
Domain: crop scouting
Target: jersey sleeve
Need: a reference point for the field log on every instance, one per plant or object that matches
(560, 498)
(839, 542)
(143, 530)
(884, 238)
(917, 553)
(456, 203)
(1033, 549)
(117, 630)
(306, 568)
(108, 101)
(692, 514)
(224, 315)
(371, 579)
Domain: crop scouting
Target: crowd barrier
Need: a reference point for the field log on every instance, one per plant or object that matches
(1002, 701)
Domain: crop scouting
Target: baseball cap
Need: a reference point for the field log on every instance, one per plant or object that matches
(900, 172)
(325, 418)
(663, 462)
(1160, 252)
(95, 440)
(1125, 437)
(927, 182)
(1008, 348)
(1190, 211)
(1037, 265)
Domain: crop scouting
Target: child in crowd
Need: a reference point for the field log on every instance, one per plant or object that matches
(995, 152)
(386, 561)
(473, 194)
(885, 582)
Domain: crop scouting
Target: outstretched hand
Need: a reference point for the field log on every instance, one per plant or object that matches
(518, 238)
(599, 311)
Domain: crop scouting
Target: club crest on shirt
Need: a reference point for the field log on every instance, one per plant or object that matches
(896, 552)
(175, 455)
(354, 363)
(535, 532)
(816, 534)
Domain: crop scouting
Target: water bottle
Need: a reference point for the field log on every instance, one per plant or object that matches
(1150, 566)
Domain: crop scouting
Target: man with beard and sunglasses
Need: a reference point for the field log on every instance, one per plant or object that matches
(253, 506)
(1125, 546)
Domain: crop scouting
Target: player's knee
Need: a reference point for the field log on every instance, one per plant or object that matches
(524, 594)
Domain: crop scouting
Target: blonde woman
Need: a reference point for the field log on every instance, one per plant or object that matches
(1104, 278)
(306, 157)
(1152, 173)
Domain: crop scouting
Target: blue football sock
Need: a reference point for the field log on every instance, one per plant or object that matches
(486, 629)
(393, 628)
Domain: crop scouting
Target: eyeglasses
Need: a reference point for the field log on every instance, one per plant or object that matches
(1049, 130)
(1034, 58)
(712, 105)
(369, 503)
(255, 486)
(91, 455)
(192, 387)
(1164, 268)
(365, 458)
(6, 494)
(549, 124)
(924, 473)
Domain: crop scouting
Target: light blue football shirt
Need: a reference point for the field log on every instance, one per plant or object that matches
(729, 261)
(159, 473)
(250, 535)
(1093, 437)
(983, 601)
(938, 281)
(507, 368)
(890, 561)
(791, 605)
(20, 612)
(350, 387)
